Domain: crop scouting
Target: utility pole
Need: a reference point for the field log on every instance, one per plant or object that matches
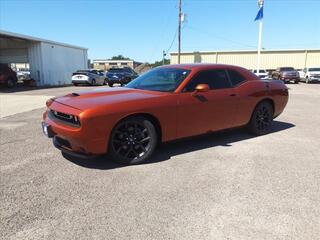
(179, 33)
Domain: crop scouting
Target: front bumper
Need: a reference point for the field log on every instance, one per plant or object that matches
(58, 143)
(289, 78)
(90, 138)
(80, 81)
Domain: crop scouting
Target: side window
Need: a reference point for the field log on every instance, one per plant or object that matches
(235, 77)
(216, 79)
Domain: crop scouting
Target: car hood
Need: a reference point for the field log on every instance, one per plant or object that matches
(83, 100)
(289, 72)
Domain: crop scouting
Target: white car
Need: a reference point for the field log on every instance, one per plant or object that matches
(23, 74)
(263, 74)
(310, 74)
(91, 77)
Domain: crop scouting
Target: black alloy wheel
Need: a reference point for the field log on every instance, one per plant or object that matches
(133, 141)
(261, 119)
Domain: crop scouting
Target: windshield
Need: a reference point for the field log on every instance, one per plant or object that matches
(287, 69)
(160, 79)
(115, 70)
(260, 71)
(314, 69)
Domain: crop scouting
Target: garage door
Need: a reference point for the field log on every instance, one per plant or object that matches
(13, 55)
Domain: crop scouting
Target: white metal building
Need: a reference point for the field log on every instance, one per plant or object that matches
(105, 64)
(51, 63)
(270, 59)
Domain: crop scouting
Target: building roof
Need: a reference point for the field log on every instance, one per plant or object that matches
(35, 39)
(248, 51)
(112, 61)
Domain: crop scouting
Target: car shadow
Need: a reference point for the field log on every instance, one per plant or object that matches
(168, 150)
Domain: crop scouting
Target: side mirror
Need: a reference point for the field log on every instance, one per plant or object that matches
(202, 88)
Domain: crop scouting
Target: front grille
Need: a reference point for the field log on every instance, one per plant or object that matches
(65, 118)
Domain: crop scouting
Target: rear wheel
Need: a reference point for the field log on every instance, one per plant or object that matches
(110, 84)
(11, 83)
(296, 81)
(133, 141)
(261, 119)
(93, 82)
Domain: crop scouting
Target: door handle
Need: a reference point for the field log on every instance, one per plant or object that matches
(232, 95)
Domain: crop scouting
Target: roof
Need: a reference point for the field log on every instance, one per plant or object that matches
(201, 66)
(113, 61)
(35, 39)
(247, 51)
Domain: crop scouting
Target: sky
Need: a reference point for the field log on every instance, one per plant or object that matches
(142, 29)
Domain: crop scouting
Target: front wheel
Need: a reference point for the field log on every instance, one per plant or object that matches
(93, 82)
(307, 80)
(133, 141)
(261, 119)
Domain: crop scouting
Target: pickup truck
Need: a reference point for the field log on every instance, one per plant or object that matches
(310, 74)
(286, 74)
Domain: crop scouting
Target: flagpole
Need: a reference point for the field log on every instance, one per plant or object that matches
(259, 46)
(260, 3)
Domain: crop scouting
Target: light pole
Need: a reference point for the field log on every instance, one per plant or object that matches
(179, 33)
(163, 56)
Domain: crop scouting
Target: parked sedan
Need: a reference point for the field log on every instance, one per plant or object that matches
(91, 77)
(164, 104)
(120, 75)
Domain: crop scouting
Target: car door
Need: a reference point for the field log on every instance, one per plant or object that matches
(204, 112)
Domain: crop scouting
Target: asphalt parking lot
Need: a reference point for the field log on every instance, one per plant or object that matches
(227, 185)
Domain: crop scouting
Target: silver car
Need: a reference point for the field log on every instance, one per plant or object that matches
(92, 77)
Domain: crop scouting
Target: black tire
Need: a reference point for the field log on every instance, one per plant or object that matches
(296, 81)
(261, 119)
(133, 141)
(93, 82)
(105, 82)
(110, 84)
(75, 84)
(11, 83)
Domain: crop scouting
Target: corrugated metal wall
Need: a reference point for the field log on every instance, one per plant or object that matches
(59, 62)
(269, 59)
(35, 61)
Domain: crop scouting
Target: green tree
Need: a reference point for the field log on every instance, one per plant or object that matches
(160, 63)
(119, 57)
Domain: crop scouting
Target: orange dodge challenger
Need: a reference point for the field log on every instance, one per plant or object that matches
(164, 104)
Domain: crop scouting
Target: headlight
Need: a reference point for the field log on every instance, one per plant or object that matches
(66, 118)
